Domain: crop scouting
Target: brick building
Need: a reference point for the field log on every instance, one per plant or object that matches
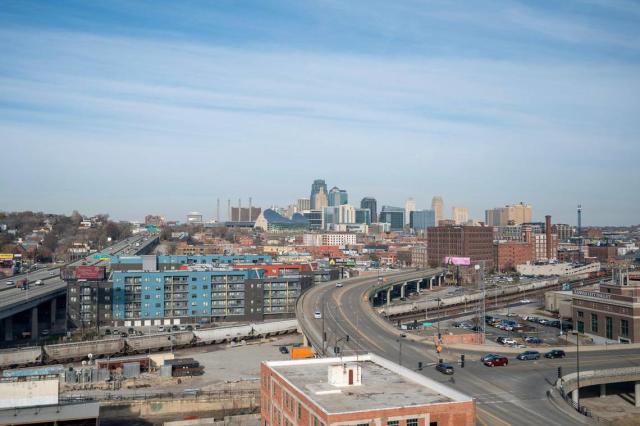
(357, 390)
(475, 242)
(610, 311)
(509, 254)
(604, 254)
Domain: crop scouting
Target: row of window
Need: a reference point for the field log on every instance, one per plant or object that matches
(624, 325)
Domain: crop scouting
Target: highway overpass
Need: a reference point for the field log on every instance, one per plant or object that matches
(36, 302)
(512, 395)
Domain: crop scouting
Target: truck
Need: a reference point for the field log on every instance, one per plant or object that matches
(302, 352)
(22, 284)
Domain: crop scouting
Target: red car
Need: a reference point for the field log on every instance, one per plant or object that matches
(496, 361)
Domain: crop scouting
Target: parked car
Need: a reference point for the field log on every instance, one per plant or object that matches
(283, 350)
(555, 353)
(533, 340)
(317, 315)
(338, 284)
(44, 333)
(525, 301)
(527, 355)
(9, 284)
(175, 328)
(512, 314)
(161, 328)
(509, 341)
(500, 339)
(543, 321)
(183, 328)
(107, 332)
(496, 361)
(444, 368)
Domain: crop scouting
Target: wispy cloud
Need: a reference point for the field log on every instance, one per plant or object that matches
(211, 118)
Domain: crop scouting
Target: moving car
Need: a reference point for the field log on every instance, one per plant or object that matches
(496, 361)
(487, 356)
(338, 284)
(527, 355)
(317, 315)
(39, 282)
(283, 350)
(525, 301)
(555, 353)
(444, 368)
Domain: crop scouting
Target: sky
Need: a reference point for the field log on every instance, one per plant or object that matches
(137, 107)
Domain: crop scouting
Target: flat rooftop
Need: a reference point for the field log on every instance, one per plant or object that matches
(384, 385)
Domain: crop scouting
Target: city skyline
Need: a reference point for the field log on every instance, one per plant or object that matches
(130, 109)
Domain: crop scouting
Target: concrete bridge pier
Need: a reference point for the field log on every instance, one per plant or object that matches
(8, 329)
(574, 397)
(637, 393)
(305, 341)
(603, 390)
(402, 287)
(389, 296)
(34, 322)
(431, 282)
(54, 307)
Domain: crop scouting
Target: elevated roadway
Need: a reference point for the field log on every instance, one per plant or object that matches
(16, 300)
(512, 395)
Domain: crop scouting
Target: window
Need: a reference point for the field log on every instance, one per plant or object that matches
(147, 296)
(393, 422)
(580, 314)
(580, 326)
(433, 423)
(609, 327)
(299, 411)
(412, 422)
(594, 323)
(624, 328)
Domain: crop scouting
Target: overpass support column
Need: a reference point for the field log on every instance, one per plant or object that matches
(574, 397)
(389, 296)
(431, 282)
(54, 308)
(418, 286)
(8, 329)
(603, 390)
(34, 322)
(637, 392)
(402, 290)
(305, 341)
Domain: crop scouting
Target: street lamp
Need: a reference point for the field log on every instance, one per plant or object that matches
(577, 334)
(399, 341)
(438, 319)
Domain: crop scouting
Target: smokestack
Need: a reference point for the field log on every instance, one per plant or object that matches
(547, 226)
(229, 209)
(250, 215)
(218, 210)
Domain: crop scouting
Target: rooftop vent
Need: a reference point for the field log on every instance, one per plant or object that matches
(342, 375)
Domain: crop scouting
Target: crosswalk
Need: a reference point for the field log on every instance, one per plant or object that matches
(506, 397)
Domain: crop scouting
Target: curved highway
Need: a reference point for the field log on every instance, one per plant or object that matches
(512, 395)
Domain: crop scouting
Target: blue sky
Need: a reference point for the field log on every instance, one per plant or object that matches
(138, 107)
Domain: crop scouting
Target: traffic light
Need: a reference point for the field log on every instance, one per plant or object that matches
(462, 361)
(559, 372)
(420, 365)
(347, 338)
(336, 350)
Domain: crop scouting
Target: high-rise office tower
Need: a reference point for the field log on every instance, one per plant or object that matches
(338, 197)
(371, 204)
(394, 216)
(320, 200)
(460, 215)
(316, 187)
(509, 215)
(303, 204)
(409, 206)
(437, 205)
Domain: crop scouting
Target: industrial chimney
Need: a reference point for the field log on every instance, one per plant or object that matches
(547, 227)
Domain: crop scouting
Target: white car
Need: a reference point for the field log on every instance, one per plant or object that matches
(39, 282)
(525, 301)
(317, 315)
(338, 284)
(509, 341)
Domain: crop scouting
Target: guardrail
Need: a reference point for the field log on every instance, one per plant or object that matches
(569, 383)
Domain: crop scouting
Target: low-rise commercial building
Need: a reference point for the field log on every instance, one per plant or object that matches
(610, 311)
(509, 254)
(357, 390)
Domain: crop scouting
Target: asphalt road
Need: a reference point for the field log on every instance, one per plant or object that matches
(53, 283)
(511, 395)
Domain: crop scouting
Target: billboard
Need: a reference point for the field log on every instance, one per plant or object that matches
(458, 261)
(6, 256)
(93, 273)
